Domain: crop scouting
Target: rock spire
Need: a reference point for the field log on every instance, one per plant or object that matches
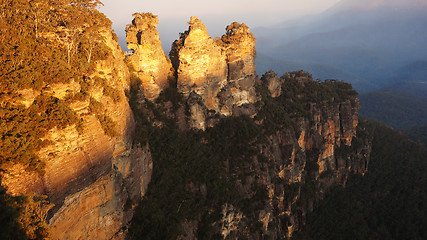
(200, 64)
(149, 62)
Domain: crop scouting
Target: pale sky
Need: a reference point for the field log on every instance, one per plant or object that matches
(216, 14)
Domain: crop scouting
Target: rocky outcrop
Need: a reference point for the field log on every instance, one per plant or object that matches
(101, 209)
(148, 61)
(199, 63)
(278, 163)
(299, 160)
(239, 45)
(318, 150)
(274, 85)
(221, 72)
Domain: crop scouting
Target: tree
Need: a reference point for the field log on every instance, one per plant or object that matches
(91, 39)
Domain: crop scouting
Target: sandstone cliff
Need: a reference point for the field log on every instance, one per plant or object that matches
(199, 63)
(253, 177)
(93, 175)
(310, 152)
(239, 44)
(148, 61)
(221, 72)
(265, 172)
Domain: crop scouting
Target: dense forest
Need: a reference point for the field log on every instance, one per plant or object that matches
(398, 109)
(198, 172)
(389, 202)
(418, 134)
(43, 43)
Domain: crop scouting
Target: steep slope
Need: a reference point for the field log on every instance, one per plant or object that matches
(235, 155)
(200, 64)
(388, 202)
(251, 177)
(217, 75)
(66, 124)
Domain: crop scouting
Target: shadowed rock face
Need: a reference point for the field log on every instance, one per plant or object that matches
(273, 83)
(149, 62)
(95, 180)
(239, 45)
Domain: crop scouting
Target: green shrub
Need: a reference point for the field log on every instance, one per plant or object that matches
(22, 128)
(107, 124)
(111, 92)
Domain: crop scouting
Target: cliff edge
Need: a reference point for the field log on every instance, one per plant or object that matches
(67, 128)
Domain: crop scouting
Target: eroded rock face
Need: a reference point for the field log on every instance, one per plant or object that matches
(273, 82)
(199, 63)
(197, 111)
(89, 174)
(239, 46)
(221, 72)
(332, 127)
(101, 209)
(314, 148)
(149, 62)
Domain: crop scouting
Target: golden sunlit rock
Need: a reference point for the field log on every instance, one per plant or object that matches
(200, 64)
(148, 61)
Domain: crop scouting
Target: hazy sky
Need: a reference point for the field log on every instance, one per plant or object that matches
(216, 14)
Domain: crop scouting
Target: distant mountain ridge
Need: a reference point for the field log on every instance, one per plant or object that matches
(365, 5)
(369, 40)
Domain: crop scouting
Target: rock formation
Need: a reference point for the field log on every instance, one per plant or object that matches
(222, 72)
(292, 154)
(274, 85)
(92, 178)
(199, 64)
(97, 176)
(239, 44)
(148, 61)
(300, 143)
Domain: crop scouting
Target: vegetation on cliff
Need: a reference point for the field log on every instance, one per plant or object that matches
(255, 174)
(22, 129)
(42, 44)
(46, 47)
(197, 174)
(389, 202)
(23, 217)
